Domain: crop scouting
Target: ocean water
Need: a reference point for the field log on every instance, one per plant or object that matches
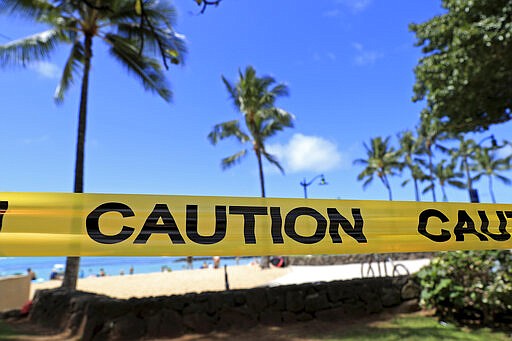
(90, 266)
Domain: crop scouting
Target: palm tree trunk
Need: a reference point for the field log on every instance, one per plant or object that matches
(389, 192)
(491, 191)
(431, 169)
(260, 167)
(468, 176)
(385, 181)
(445, 197)
(416, 189)
(265, 260)
(73, 263)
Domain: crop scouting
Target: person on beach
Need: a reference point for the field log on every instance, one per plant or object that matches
(102, 273)
(31, 274)
(216, 262)
(54, 274)
(205, 265)
(190, 264)
(278, 262)
(131, 270)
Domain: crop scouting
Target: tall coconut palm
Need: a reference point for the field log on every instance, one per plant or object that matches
(430, 132)
(255, 98)
(382, 160)
(410, 152)
(446, 174)
(133, 30)
(464, 156)
(489, 164)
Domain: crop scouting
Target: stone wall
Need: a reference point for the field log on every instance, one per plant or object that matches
(355, 258)
(96, 317)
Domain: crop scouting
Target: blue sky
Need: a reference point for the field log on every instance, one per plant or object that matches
(348, 64)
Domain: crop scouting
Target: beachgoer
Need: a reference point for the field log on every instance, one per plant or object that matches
(190, 262)
(205, 265)
(131, 270)
(31, 274)
(278, 261)
(121, 272)
(54, 274)
(102, 273)
(216, 262)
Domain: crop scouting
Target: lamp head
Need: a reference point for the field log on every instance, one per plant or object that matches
(322, 180)
(494, 142)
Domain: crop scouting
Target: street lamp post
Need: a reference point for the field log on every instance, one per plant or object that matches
(305, 184)
(473, 192)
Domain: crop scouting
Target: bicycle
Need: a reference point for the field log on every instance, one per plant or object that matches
(398, 270)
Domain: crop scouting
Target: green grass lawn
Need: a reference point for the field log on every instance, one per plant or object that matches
(416, 327)
(403, 327)
(5, 331)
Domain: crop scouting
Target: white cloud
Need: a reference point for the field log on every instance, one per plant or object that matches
(46, 69)
(355, 6)
(307, 153)
(321, 57)
(35, 140)
(332, 13)
(357, 46)
(365, 57)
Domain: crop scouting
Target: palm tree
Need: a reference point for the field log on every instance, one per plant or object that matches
(488, 164)
(382, 160)
(430, 132)
(410, 150)
(464, 155)
(133, 30)
(255, 98)
(446, 174)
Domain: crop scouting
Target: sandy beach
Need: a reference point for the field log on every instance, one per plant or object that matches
(200, 280)
(173, 283)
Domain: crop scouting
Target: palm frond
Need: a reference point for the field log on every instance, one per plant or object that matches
(427, 189)
(457, 184)
(405, 182)
(477, 177)
(230, 161)
(367, 182)
(148, 70)
(72, 67)
(29, 8)
(232, 92)
(273, 160)
(360, 162)
(228, 129)
(280, 90)
(274, 120)
(157, 11)
(154, 40)
(503, 179)
(29, 49)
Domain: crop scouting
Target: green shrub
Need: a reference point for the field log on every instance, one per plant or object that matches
(469, 287)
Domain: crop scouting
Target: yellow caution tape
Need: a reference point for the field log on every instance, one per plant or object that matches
(52, 224)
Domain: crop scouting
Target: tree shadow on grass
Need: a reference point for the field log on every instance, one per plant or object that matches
(379, 328)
